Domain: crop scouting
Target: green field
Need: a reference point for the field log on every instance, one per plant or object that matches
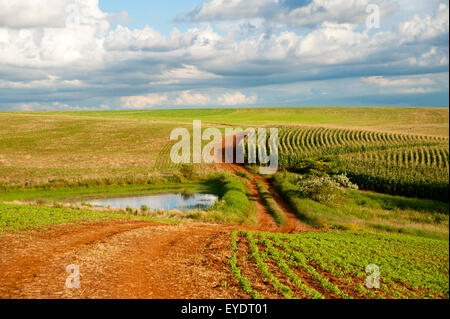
(322, 204)
(394, 163)
(433, 121)
(373, 182)
(19, 217)
(333, 264)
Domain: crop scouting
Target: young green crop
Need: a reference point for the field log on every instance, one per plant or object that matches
(243, 281)
(410, 267)
(17, 217)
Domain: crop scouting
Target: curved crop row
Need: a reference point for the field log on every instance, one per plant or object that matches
(435, 156)
(307, 140)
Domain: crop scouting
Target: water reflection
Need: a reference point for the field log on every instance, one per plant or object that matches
(181, 201)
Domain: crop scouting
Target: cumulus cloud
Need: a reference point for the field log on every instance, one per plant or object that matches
(144, 101)
(52, 52)
(48, 83)
(186, 73)
(33, 14)
(55, 106)
(295, 12)
(51, 33)
(191, 99)
(416, 91)
(236, 98)
(383, 81)
(187, 98)
(426, 28)
(20, 14)
(403, 85)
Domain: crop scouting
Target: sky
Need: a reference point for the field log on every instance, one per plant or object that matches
(134, 55)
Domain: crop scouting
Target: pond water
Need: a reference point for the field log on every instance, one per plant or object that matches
(170, 201)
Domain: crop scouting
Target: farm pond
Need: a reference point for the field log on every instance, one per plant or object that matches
(169, 201)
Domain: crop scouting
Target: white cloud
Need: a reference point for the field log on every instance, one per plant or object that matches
(31, 14)
(144, 101)
(53, 106)
(42, 33)
(187, 73)
(236, 98)
(20, 14)
(44, 58)
(53, 82)
(229, 9)
(383, 81)
(187, 98)
(434, 57)
(120, 18)
(289, 12)
(338, 11)
(405, 85)
(416, 91)
(422, 28)
(333, 43)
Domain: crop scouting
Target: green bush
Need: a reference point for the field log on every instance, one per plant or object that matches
(187, 170)
(291, 194)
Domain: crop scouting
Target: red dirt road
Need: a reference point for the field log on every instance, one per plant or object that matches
(119, 259)
(266, 222)
(130, 258)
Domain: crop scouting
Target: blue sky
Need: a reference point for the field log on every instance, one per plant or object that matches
(150, 13)
(89, 54)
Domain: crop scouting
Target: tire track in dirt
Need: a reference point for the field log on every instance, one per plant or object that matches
(131, 258)
(119, 259)
(24, 255)
(265, 220)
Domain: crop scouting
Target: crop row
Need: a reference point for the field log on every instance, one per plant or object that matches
(407, 157)
(319, 140)
(163, 161)
(333, 265)
(392, 163)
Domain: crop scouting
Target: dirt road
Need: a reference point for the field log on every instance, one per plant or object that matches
(130, 258)
(119, 259)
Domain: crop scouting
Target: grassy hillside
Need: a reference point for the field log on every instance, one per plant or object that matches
(432, 121)
(322, 203)
(38, 147)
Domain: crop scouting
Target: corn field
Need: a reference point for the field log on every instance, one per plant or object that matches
(393, 163)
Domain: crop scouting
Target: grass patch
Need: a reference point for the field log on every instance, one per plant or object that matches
(234, 205)
(360, 210)
(18, 217)
(277, 213)
(97, 192)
